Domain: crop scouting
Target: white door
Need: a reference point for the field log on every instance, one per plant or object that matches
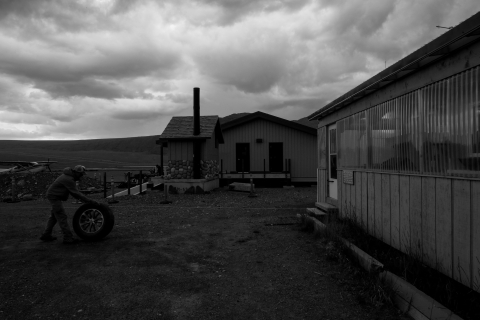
(332, 162)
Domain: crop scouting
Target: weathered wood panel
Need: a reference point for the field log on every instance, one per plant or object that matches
(461, 231)
(348, 200)
(353, 201)
(416, 216)
(378, 206)
(358, 197)
(428, 222)
(181, 150)
(364, 201)
(443, 225)
(344, 196)
(475, 235)
(386, 220)
(371, 203)
(339, 195)
(405, 213)
(395, 211)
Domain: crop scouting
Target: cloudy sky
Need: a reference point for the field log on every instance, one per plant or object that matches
(90, 69)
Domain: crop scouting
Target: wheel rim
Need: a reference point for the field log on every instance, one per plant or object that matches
(91, 221)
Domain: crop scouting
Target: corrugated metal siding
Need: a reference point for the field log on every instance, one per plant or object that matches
(298, 146)
(434, 130)
(180, 150)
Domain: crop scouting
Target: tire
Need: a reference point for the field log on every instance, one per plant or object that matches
(93, 222)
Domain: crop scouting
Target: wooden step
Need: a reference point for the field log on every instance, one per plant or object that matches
(326, 207)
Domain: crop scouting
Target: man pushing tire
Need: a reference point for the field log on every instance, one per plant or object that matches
(59, 191)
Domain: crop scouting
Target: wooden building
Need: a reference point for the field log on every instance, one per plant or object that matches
(193, 145)
(272, 150)
(400, 154)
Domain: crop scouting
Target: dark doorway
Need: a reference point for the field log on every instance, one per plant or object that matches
(243, 157)
(275, 152)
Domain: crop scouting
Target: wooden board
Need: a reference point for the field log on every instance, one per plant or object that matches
(428, 221)
(475, 235)
(443, 225)
(395, 211)
(347, 201)
(386, 208)
(461, 231)
(358, 197)
(340, 196)
(405, 214)
(378, 206)
(322, 180)
(416, 216)
(364, 201)
(371, 203)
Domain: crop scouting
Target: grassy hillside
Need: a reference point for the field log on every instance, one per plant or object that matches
(134, 144)
(96, 153)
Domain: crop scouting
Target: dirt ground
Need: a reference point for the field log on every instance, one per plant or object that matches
(221, 255)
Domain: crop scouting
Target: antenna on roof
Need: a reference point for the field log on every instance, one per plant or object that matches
(445, 27)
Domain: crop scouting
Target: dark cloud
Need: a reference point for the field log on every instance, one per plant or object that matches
(247, 71)
(233, 11)
(84, 88)
(136, 114)
(304, 106)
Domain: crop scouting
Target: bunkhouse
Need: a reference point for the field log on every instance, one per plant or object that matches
(400, 154)
(192, 144)
(270, 150)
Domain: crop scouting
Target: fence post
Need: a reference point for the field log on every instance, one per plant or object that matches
(105, 184)
(77, 183)
(252, 194)
(165, 192)
(243, 169)
(141, 181)
(221, 168)
(264, 173)
(128, 182)
(113, 191)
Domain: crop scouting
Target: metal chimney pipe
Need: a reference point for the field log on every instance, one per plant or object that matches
(196, 111)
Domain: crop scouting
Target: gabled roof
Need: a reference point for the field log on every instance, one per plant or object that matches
(181, 128)
(260, 115)
(232, 117)
(460, 36)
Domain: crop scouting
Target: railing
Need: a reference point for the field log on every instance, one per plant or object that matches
(287, 170)
(129, 179)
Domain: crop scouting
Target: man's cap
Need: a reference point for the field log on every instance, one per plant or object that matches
(80, 169)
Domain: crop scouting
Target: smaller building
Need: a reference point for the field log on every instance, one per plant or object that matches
(271, 150)
(193, 150)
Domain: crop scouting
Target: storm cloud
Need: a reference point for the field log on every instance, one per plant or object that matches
(118, 68)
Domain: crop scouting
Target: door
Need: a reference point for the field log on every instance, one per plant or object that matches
(275, 156)
(243, 157)
(332, 162)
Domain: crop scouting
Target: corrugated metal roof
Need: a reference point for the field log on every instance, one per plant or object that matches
(182, 128)
(464, 34)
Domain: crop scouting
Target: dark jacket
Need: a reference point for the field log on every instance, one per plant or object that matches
(63, 186)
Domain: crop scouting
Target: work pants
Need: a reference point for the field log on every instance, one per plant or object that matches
(58, 215)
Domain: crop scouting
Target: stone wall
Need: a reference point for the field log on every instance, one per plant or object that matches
(183, 169)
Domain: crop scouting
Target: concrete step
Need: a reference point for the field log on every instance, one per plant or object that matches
(326, 207)
(314, 212)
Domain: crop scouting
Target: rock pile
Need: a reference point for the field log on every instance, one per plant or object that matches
(183, 169)
(30, 186)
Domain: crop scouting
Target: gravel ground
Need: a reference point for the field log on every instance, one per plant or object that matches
(221, 255)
